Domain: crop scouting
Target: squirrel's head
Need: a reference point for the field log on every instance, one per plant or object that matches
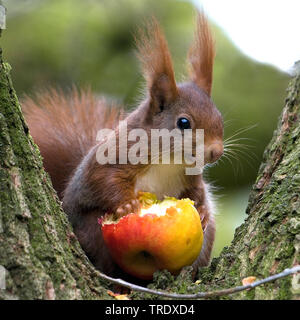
(187, 105)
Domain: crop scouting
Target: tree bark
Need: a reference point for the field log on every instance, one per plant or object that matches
(39, 253)
(42, 258)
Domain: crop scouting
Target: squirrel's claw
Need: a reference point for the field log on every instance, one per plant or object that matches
(132, 207)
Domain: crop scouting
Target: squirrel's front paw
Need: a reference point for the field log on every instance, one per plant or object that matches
(131, 207)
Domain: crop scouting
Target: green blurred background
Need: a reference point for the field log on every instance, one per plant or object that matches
(90, 44)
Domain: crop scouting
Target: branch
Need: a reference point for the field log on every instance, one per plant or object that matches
(209, 294)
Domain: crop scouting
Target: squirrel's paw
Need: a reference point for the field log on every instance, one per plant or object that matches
(132, 207)
(204, 221)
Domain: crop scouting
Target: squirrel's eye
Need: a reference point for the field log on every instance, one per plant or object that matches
(183, 123)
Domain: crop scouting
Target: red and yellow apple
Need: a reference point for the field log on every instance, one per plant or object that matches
(163, 235)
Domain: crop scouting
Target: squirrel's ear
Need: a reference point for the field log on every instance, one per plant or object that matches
(202, 54)
(157, 66)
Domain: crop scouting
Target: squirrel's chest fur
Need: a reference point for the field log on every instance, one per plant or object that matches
(162, 180)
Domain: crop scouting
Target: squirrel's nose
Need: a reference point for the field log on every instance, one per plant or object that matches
(215, 151)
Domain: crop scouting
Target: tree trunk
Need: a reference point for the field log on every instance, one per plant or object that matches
(39, 255)
(41, 258)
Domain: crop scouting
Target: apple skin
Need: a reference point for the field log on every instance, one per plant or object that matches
(143, 244)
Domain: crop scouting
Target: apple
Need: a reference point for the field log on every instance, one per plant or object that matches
(163, 235)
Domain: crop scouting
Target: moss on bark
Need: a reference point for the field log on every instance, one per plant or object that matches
(41, 256)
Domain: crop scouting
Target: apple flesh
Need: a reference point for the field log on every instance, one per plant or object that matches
(163, 235)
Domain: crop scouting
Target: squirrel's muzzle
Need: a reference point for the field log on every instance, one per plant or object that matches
(214, 151)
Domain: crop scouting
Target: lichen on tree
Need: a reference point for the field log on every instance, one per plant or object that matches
(40, 254)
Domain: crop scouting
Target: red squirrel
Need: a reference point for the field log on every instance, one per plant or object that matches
(65, 130)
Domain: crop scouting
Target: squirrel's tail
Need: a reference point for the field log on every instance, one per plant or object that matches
(65, 127)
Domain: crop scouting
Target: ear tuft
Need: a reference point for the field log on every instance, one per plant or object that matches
(201, 55)
(156, 62)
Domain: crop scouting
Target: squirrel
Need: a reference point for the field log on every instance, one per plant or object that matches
(65, 128)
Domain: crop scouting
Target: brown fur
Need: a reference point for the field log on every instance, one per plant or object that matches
(65, 130)
(156, 62)
(65, 127)
(202, 54)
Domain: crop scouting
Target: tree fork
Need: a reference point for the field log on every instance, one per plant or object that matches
(42, 258)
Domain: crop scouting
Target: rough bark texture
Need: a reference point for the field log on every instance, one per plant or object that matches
(43, 259)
